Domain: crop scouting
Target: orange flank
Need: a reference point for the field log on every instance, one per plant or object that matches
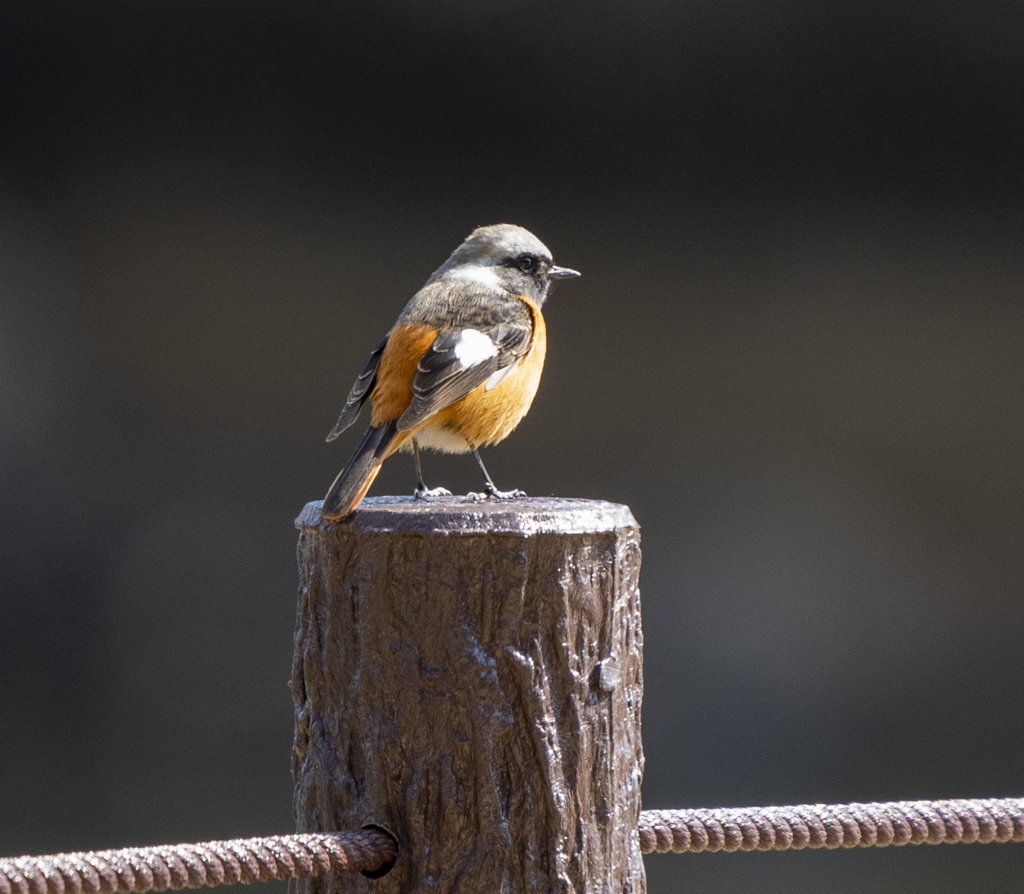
(393, 392)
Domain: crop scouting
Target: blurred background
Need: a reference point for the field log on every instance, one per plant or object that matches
(795, 353)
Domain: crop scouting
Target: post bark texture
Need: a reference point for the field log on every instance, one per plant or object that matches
(468, 676)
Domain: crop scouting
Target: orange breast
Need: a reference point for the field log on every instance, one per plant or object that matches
(481, 417)
(486, 417)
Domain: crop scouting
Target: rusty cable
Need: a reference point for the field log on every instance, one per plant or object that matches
(244, 860)
(832, 825)
(138, 870)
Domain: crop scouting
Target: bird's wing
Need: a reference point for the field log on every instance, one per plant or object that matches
(360, 390)
(460, 361)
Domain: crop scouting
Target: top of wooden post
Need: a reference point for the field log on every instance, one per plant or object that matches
(524, 516)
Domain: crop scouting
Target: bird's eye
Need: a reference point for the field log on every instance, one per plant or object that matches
(526, 263)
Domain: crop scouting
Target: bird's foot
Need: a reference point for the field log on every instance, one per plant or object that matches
(494, 494)
(424, 493)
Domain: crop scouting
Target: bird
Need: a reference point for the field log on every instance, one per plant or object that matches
(460, 367)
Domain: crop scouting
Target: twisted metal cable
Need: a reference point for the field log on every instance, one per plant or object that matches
(832, 825)
(139, 869)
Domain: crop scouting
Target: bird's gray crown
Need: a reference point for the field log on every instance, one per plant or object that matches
(487, 246)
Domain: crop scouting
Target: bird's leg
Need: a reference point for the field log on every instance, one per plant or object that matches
(421, 488)
(489, 485)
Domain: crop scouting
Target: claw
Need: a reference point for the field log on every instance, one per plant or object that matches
(507, 494)
(423, 493)
(495, 494)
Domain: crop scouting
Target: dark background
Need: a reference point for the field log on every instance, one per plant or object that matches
(795, 353)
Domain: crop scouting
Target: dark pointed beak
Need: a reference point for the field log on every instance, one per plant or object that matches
(562, 273)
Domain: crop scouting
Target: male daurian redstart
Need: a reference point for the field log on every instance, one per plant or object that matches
(459, 368)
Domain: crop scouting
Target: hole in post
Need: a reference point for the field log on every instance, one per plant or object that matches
(386, 868)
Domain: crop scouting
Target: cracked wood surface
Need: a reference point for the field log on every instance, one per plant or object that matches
(468, 676)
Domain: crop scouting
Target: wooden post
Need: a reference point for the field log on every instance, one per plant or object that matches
(468, 677)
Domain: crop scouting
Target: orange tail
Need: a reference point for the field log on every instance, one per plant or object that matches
(355, 479)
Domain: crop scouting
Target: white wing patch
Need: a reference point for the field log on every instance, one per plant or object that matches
(473, 348)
